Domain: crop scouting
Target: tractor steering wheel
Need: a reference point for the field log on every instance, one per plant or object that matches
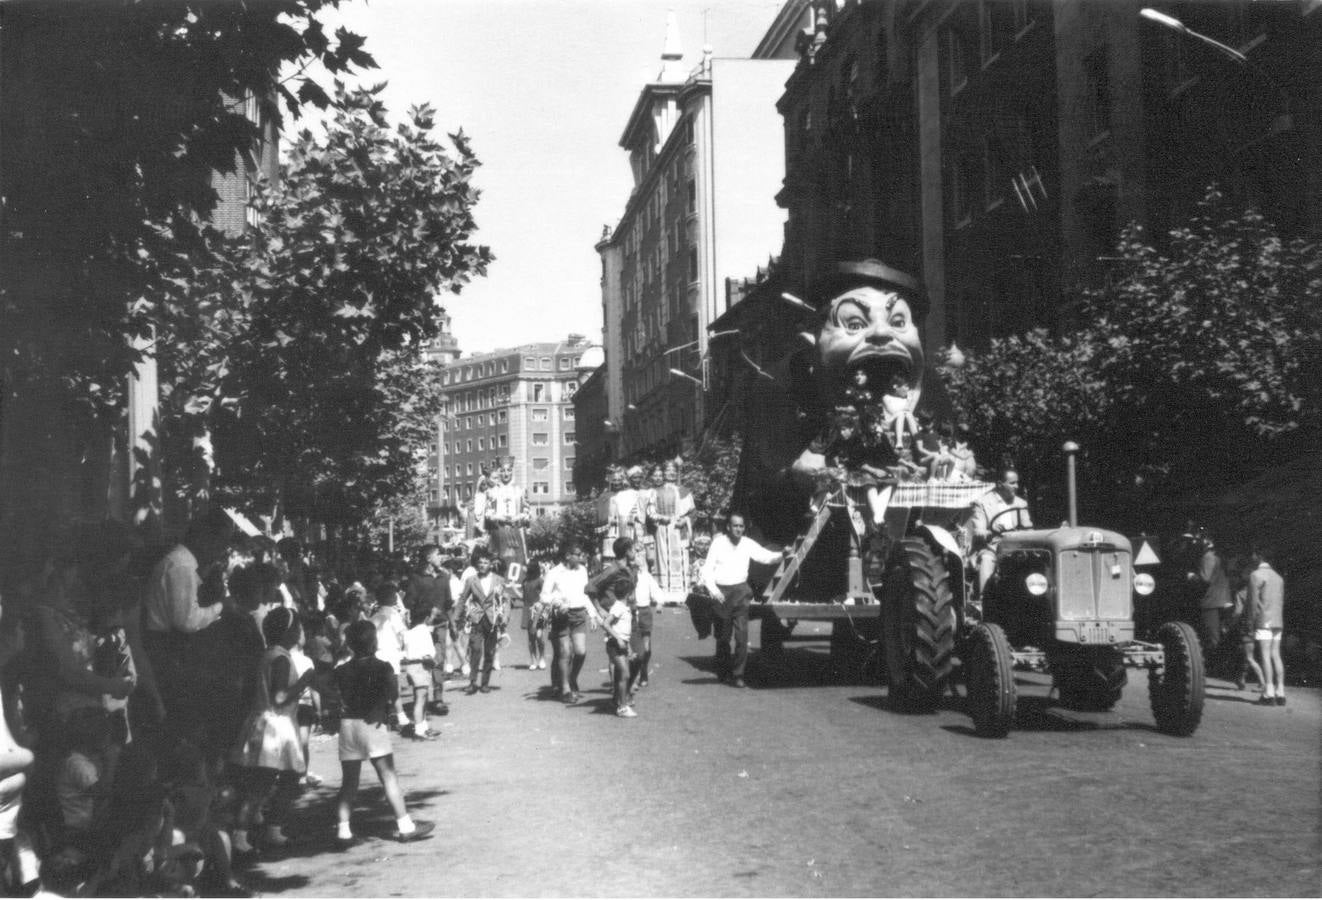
(1019, 513)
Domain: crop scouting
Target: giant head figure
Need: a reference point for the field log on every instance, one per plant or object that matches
(868, 336)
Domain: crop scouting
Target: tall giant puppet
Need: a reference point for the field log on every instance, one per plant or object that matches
(506, 517)
(668, 520)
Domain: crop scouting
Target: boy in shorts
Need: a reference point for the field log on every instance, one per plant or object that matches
(368, 692)
(416, 668)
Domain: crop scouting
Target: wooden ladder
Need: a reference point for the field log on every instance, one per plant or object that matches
(820, 511)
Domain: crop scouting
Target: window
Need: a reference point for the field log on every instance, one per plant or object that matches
(502, 416)
(530, 362)
(569, 437)
(541, 462)
(541, 439)
(692, 196)
(540, 414)
(481, 444)
(569, 463)
(957, 60)
(470, 469)
(470, 446)
(503, 440)
(546, 363)
(569, 413)
(504, 366)
(541, 487)
(998, 27)
(693, 264)
(539, 392)
(564, 363)
(571, 388)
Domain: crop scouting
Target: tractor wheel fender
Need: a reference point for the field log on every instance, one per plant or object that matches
(943, 539)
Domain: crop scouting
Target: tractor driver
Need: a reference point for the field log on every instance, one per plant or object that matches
(989, 524)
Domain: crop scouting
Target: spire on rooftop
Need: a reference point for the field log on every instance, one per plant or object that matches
(672, 54)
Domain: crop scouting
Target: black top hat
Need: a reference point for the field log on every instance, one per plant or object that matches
(843, 275)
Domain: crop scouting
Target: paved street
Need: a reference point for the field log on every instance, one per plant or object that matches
(802, 787)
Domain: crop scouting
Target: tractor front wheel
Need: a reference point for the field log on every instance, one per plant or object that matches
(917, 625)
(989, 668)
(1176, 690)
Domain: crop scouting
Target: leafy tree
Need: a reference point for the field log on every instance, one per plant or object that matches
(1024, 398)
(123, 114)
(1200, 357)
(709, 474)
(574, 522)
(1209, 345)
(310, 370)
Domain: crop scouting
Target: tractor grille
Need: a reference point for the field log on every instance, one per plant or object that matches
(1094, 584)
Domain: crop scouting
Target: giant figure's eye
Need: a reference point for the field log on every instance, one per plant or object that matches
(854, 323)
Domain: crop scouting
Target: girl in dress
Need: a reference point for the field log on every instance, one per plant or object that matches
(269, 751)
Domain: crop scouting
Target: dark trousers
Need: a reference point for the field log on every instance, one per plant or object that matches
(482, 651)
(1211, 629)
(731, 619)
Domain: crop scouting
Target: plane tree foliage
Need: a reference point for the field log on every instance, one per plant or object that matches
(117, 116)
(1197, 362)
(309, 372)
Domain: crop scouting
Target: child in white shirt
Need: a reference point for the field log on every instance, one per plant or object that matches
(618, 626)
(419, 658)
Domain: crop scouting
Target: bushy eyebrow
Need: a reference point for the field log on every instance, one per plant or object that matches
(835, 311)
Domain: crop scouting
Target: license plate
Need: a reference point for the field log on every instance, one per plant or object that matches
(1093, 634)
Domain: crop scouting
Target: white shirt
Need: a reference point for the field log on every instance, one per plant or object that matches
(171, 602)
(565, 587)
(646, 592)
(418, 643)
(389, 636)
(620, 618)
(727, 562)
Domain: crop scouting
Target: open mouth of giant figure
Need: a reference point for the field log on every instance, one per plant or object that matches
(881, 366)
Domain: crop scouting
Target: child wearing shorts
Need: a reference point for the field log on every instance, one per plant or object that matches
(618, 626)
(368, 691)
(416, 668)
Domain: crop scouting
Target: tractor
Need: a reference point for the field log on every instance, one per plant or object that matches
(1062, 601)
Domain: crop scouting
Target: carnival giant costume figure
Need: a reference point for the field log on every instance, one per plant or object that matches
(506, 517)
(627, 511)
(668, 512)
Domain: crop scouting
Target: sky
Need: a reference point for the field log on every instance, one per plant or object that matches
(543, 88)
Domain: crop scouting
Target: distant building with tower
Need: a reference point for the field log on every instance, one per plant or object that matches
(514, 403)
(704, 147)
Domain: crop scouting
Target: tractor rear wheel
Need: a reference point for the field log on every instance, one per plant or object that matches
(1176, 691)
(1090, 678)
(989, 669)
(917, 625)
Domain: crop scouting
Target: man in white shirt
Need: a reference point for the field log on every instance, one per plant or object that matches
(725, 574)
(991, 520)
(184, 596)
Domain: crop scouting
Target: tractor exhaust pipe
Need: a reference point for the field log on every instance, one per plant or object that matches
(1071, 450)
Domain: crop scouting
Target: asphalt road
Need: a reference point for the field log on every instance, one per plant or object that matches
(805, 787)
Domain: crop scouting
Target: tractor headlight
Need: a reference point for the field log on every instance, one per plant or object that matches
(1036, 583)
(1144, 584)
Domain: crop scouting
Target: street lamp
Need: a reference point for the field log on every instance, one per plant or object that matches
(1174, 24)
(1282, 122)
(681, 374)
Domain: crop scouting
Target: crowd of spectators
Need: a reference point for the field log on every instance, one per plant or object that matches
(158, 705)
